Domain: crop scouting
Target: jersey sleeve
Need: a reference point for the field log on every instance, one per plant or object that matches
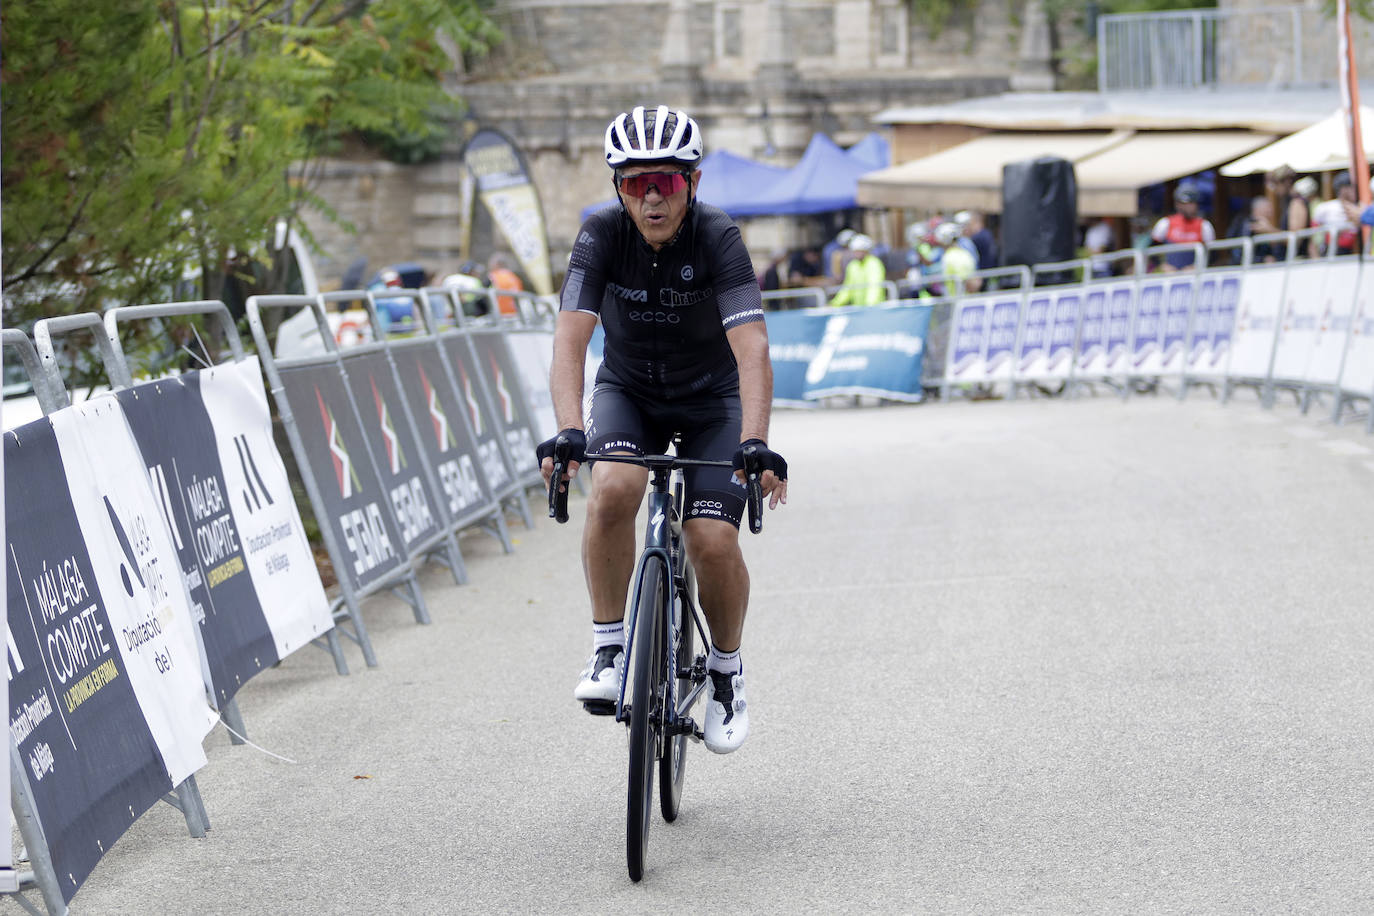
(1209, 234)
(1160, 233)
(584, 285)
(738, 297)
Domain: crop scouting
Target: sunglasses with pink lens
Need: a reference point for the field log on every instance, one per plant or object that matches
(667, 183)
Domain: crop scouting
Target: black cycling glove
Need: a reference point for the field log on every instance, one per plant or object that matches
(576, 437)
(768, 459)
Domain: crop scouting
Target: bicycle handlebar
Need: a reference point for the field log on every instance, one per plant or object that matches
(562, 449)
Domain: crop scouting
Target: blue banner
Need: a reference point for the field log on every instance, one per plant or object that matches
(1092, 340)
(1180, 302)
(794, 338)
(1145, 339)
(875, 351)
(1062, 332)
(1035, 335)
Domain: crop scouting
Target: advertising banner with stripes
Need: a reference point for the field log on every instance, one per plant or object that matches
(968, 340)
(1004, 320)
(355, 504)
(1092, 335)
(1147, 329)
(532, 350)
(1063, 333)
(1033, 349)
(491, 456)
(1120, 312)
(443, 429)
(388, 433)
(107, 696)
(502, 377)
(1357, 373)
(1214, 320)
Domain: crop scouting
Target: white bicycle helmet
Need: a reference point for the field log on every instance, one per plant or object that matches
(658, 135)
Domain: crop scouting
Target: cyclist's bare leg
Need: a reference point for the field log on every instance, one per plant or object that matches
(608, 539)
(722, 578)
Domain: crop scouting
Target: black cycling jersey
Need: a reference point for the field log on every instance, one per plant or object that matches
(665, 312)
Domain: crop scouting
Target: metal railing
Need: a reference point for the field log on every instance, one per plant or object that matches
(1209, 48)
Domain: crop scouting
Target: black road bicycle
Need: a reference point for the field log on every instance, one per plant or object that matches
(669, 676)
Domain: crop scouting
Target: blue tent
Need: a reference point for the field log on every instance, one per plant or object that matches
(727, 181)
(872, 152)
(825, 179)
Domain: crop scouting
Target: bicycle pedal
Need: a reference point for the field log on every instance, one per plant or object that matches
(599, 707)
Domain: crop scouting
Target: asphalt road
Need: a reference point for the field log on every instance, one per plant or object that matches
(1044, 656)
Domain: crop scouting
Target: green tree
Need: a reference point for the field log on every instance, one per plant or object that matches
(149, 144)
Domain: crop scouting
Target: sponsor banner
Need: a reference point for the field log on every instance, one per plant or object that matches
(391, 439)
(107, 702)
(444, 432)
(1223, 325)
(177, 440)
(486, 432)
(1178, 306)
(968, 341)
(355, 505)
(794, 339)
(505, 189)
(1032, 351)
(1257, 315)
(501, 378)
(1303, 301)
(280, 559)
(1121, 300)
(1063, 333)
(1147, 330)
(1091, 353)
(1333, 328)
(877, 351)
(1199, 342)
(532, 351)
(1357, 376)
(1004, 319)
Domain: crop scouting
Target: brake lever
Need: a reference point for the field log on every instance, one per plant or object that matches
(754, 484)
(558, 491)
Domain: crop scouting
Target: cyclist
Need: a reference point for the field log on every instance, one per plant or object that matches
(686, 352)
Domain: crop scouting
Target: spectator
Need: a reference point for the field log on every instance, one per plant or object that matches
(775, 274)
(976, 231)
(923, 255)
(500, 275)
(806, 268)
(1332, 213)
(863, 277)
(956, 263)
(834, 254)
(1181, 228)
(1291, 207)
(466, 284)
(1098, 240)
(1258, 220)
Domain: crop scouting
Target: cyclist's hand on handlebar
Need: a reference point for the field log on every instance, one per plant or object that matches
(577, 453)
(774, 467)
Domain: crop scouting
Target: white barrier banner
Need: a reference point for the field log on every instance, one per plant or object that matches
(1303, 300)
(1333, 329)
(1120, 307)
(1033, 348)
(1147, 351)
(1213, 324)
(964, 360)
(280, 562)
(532, 351)
(1357, 377)
(1004, 321)
(1063, 332)
(136, 570)
(1092, 337)
(1257, 315)
(1178, 308)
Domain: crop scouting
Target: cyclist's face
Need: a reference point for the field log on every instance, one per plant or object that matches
(657, 216)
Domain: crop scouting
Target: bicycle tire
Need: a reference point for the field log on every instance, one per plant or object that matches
(672, 768)
(648, 671)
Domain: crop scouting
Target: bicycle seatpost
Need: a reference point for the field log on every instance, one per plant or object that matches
(752, 475)
(558, 493)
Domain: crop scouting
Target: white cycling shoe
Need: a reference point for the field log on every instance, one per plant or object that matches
(727, 715)
(601, 678)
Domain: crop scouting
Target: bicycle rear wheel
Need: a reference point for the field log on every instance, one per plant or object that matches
(672, 767)
(645, 714)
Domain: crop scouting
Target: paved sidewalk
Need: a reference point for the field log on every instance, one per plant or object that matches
(1045, 656)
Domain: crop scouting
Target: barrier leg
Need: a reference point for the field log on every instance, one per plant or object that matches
(496, 526)
(234, 719)
(35, 843)
(187, 800)
(449, 555)
(346, 608)
(520, 503)
(409, 592)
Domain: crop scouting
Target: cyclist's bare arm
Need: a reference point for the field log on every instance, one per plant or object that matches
(572, 332)
(750, 345)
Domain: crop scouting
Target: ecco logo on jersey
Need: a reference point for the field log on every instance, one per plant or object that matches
(687, 272)
(655, 317)
(706, 504)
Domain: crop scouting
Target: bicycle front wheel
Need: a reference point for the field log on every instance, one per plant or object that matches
(673, 766)
(645, 713)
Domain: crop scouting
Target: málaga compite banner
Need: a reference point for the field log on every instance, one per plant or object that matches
(505, 189)
(107, 697)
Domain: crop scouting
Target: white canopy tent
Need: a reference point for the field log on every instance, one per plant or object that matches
(1320, 148)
